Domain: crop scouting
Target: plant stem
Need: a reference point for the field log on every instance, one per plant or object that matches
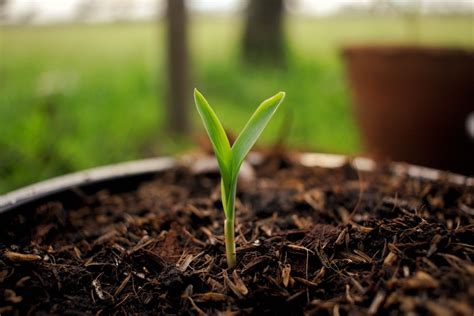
(230, 242)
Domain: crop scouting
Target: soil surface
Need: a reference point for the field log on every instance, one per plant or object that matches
(309, 241)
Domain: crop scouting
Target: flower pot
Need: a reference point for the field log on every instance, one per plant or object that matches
(315, 233)
(413, 103)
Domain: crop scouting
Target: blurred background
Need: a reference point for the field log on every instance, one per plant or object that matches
(87, 82)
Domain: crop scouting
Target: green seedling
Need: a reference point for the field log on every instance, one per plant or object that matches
(230, 158)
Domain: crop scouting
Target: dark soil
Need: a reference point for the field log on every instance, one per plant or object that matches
(309, 241)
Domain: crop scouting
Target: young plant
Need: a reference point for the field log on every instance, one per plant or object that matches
(231, 158)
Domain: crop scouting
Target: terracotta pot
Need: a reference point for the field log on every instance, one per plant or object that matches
(413, 103)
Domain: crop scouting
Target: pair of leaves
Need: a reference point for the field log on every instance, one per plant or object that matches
(231, 158)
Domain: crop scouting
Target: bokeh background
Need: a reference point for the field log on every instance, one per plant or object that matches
(87, 82)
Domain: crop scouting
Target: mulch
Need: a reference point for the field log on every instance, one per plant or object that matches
(310, 241)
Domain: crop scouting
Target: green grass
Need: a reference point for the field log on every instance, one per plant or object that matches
(106, 88)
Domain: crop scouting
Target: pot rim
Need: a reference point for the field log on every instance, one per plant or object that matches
(42, 189)
(82, 178)
(370, 49)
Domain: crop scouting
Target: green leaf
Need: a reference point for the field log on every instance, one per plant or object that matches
(253, 129)
(217, 135)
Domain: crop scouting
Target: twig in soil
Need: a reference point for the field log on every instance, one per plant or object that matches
(183, 263)
(211, 297)
(123, 300)
(188, 292)
(123, 284)
(458, 264)
(466, 209)
(306, 273)
(241, 234)
(198, 310)
(99, 291)
(232, 286)
(209, 234)
(239, 283)
(193, 238)
(349, 297)
(389, 259)
(319, 276)
(375, 305)
(6, 309)
(296, 295)
(285, 274)
(421, 280)
(11, 296)
(322, 257)
(341, 237)
(299, 248)
(255, 263)
(20, 257)
(306, 282)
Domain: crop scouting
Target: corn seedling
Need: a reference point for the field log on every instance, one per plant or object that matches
(230, 158)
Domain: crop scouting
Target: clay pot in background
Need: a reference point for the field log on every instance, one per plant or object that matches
(412, 103)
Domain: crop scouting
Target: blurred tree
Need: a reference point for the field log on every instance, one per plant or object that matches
(178, 69)
(263, 35)
(3, 7)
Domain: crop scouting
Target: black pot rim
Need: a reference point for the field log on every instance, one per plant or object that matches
(43, 189)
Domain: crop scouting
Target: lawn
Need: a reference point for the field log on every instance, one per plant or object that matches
(75, 96)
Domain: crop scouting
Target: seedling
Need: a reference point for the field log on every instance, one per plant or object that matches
(231, 158)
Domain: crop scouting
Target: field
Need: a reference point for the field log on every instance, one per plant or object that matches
(75, 96)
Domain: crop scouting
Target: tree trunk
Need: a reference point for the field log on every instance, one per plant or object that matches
(263, 36)
(178, 70)
(3, 6)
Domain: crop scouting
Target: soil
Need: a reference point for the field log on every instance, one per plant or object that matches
(309, 241)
